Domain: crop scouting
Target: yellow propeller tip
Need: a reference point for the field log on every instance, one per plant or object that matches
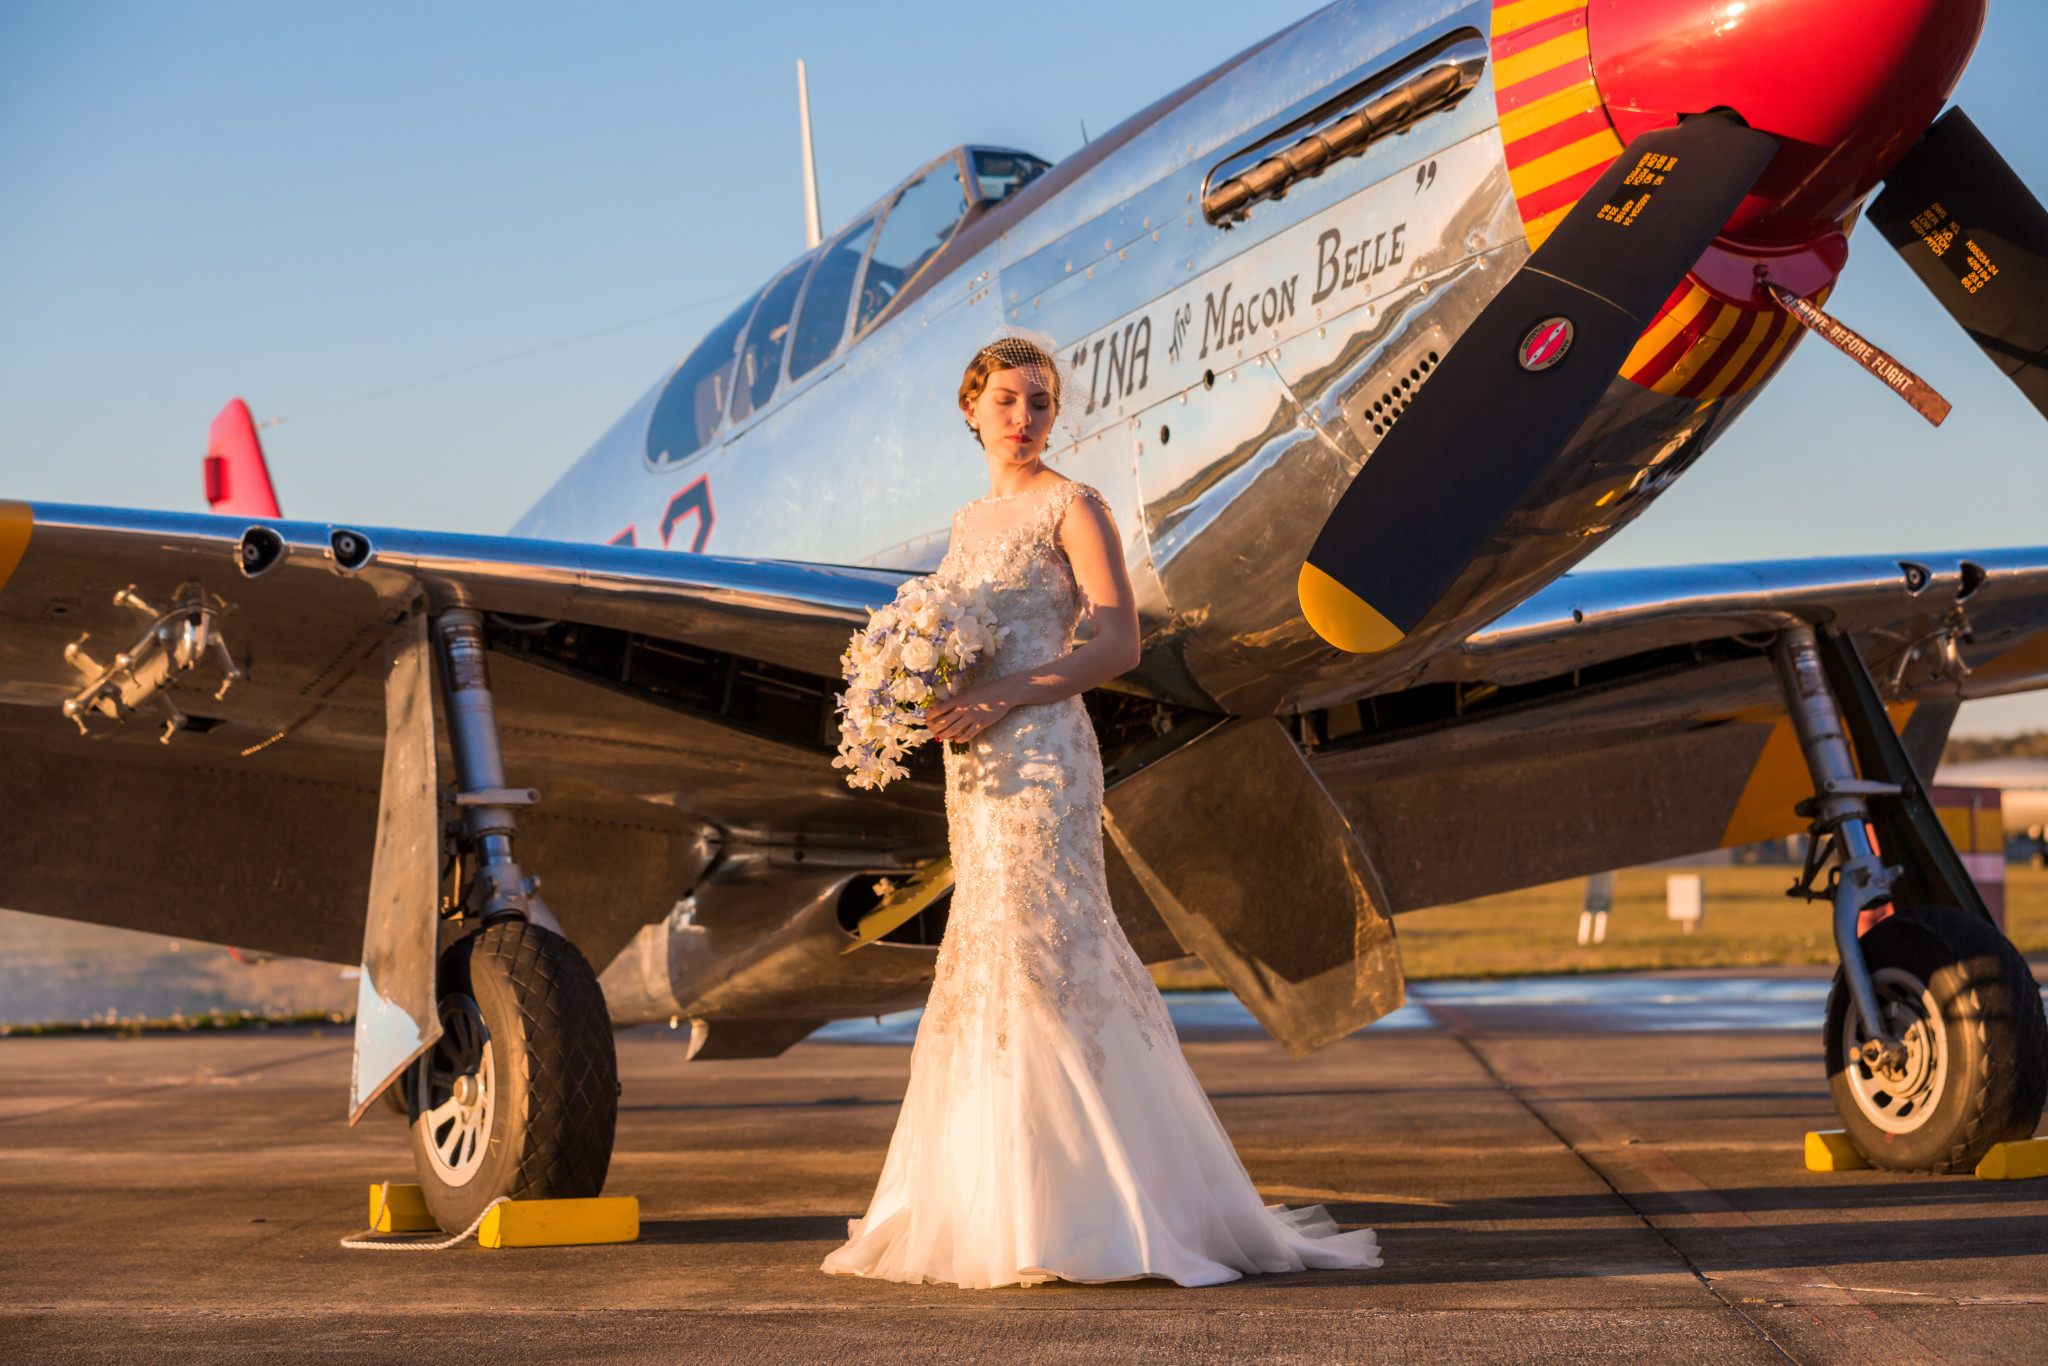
(1343, 618)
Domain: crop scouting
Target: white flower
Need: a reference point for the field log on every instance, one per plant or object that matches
(932, 628)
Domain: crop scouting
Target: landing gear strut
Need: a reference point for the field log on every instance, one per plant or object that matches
(1936, 1043)
(519, 1097)
(499, 888)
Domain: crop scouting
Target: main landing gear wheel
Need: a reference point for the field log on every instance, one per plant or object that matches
(520, 1096)
(1957, 994)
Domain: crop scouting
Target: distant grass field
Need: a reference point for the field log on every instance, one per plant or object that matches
(1749, 922)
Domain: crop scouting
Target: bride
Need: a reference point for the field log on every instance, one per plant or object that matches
(1052, 1129)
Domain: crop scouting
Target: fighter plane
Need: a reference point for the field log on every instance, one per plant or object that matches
(1378, 329)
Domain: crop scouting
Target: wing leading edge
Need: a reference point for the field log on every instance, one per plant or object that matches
(1990, 603)
(1620, 717)
(651, 695)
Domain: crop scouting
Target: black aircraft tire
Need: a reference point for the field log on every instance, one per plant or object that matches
(522, 1013)
(1982, 1081)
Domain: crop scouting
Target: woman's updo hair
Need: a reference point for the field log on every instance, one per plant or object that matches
(1006, 353)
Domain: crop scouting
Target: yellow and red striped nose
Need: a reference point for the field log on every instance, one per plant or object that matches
(1847, 84)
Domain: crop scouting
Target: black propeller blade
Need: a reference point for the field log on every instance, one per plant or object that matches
(1978, 239)
(1520, 381)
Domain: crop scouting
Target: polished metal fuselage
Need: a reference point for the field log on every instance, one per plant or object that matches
(1228, 374)
(1225, 382)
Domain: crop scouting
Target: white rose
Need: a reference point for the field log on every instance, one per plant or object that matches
(918, 654)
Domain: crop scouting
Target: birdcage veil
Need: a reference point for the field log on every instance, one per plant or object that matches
(1037, 354)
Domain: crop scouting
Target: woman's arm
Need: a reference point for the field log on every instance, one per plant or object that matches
(1088, 535)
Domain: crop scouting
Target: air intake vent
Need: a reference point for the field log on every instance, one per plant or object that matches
(1375, 401)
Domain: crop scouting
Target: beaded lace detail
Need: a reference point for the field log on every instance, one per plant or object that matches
(1052, 1127)
(1030, 928)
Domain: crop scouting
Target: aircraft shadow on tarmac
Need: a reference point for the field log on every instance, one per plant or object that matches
(1437, 1244)
(829, 1102)
(1805, 1094)
(1494, 1239)
(800, 1228)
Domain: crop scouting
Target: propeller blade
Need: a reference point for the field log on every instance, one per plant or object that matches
(1521, 379)
(1978, 239)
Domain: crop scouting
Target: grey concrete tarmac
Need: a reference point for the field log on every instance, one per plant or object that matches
(1541, 1197)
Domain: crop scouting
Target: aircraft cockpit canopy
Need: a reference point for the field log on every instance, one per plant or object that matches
(828, 299)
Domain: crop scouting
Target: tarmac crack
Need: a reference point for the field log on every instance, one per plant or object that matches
(1486, 1064)
(1603, 1138)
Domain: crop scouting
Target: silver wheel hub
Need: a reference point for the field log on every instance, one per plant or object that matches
(1901, 1094)
(456, 1082)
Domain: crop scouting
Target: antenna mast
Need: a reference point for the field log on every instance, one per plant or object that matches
(814, 225)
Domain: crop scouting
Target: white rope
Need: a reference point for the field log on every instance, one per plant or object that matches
(364, 1240)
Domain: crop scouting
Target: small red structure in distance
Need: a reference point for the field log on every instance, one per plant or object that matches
(237, 478)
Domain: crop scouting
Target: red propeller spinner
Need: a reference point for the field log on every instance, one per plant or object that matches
(1847, 86)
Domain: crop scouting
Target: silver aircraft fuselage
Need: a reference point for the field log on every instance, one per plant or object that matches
(1229, 373)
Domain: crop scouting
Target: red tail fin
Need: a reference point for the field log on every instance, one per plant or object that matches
(237, 479)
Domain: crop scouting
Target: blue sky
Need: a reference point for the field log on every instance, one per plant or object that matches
(307, 204)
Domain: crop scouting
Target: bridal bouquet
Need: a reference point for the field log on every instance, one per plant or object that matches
(905, 659)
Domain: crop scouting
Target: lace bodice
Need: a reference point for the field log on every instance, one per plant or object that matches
(1020, 566)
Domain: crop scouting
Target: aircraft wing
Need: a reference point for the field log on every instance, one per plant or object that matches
(1615, 717)
(645, 693)
(1623, 716)
(1987, 600)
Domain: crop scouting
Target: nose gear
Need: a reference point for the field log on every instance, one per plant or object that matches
(1858, 879)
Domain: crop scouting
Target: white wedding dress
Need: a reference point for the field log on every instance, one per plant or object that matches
(1052, 1128)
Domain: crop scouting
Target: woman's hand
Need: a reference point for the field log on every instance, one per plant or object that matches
(1089, 537)
(967, 714)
